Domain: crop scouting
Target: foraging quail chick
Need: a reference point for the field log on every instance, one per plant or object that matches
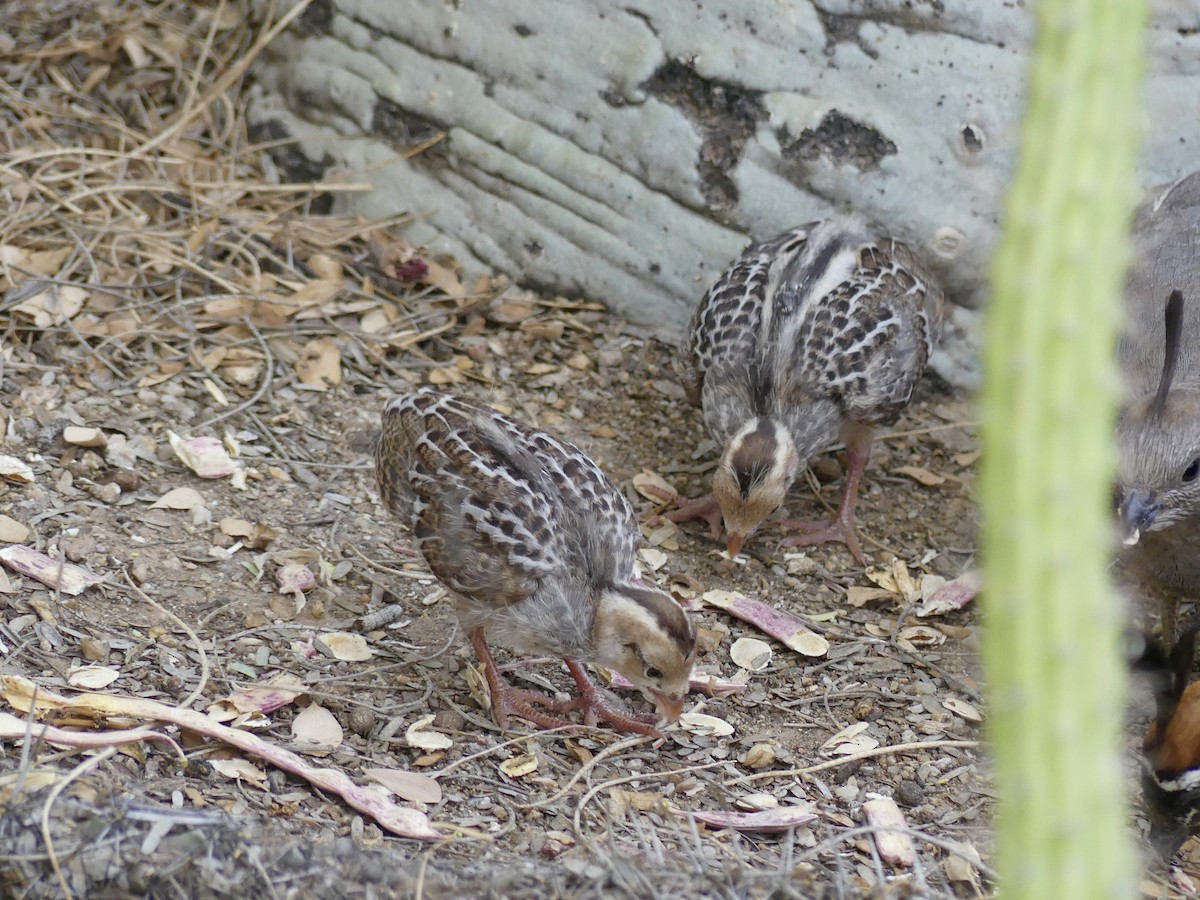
(538, 547)
(820, 332)
(1171, 760)
(1158, 430)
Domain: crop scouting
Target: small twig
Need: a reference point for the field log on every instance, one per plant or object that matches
(866, 754)
(268, 377)
(82, 769)
(666, 773)
(195, 639)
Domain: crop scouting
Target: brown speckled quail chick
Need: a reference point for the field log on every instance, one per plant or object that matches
(538, 547)
(1158, 430)
(819, 333)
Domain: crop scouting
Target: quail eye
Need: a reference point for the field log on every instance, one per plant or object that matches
(653, 672)
(1190, 473)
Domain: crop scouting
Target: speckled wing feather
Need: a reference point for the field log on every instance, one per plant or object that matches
(833, 309)
(495, 505)
(724, 329)
(864, 340)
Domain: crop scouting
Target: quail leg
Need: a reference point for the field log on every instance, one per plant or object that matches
(507, 699)
(705, 508)
(596, 708)
(841, 526)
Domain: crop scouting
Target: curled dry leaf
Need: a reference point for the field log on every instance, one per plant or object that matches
(782, 819)
(519, 766)
(416, 736)
(850, 741)
(267, 696)
(411, 786)
(82, 436)
(705, 725)
(295, 578)
(240, 770)
(914, 637)
(654, 558)
(12, 531)
(652, 486)
(12, 469)
(92, 678)
(953, 594)
(961, 864)
(782, 626)
(751, 653)
(206, 456)
(183, 498)
(67, 577)
(858, 596)
(758, 801)
(53, 305)
(316, 726)
(345, 646)
(891, 832)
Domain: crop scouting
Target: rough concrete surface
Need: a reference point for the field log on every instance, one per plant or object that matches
(626, 151)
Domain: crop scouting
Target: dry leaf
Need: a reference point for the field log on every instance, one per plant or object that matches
(67, 577)
(891, 836)
(641, 801)
(784, 818)
(654, 558)
(650, 484)
(12, 531)
(953, 594)
(704, 724)
(961, 861)
(236, 527)
(206, 456)
(416, 736)
(860, 596)
(240, 770)
(344, 646)
(411, 786)
(519, 766)
(92, 678)
(963, 709)
(320, 363)
(53, 305)
(922, 476)
(751, 653)
(179, 498)
(12, 469)
(778, 624)
(317, 726)
(914, 636)
(850, 741)
(295, 578)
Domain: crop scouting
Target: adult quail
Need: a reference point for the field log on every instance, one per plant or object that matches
(538, 547)
(1158, 429)
(819, 333)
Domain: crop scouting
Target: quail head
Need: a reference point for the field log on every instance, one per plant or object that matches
(1171, 760)
(538, 547)
(1158, 430)
(819, 333)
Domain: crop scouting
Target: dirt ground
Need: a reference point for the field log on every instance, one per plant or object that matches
(175, 290)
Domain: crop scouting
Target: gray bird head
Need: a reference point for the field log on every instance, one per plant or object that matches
(1158, 447)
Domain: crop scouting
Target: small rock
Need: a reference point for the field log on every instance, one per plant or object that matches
(909, 793)
(361, 721)
(449, 720)
(139, 570)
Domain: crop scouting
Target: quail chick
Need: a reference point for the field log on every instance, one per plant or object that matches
(819, 333)
(1171, 760)
(538, 547)
(1158, 430)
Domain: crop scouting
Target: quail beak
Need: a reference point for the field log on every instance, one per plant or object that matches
(1138, 510)
(669, 706)
(734, 542)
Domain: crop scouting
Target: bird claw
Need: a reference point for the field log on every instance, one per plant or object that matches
(514, 701)
(705, 508)
(837, 529)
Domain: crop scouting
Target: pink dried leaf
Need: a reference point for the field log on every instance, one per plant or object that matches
(781, 818)
(783, 626)
(711, 685)
(891, 834)
(67, 577)
(953, 594)
(373, 802)
(206, 456)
